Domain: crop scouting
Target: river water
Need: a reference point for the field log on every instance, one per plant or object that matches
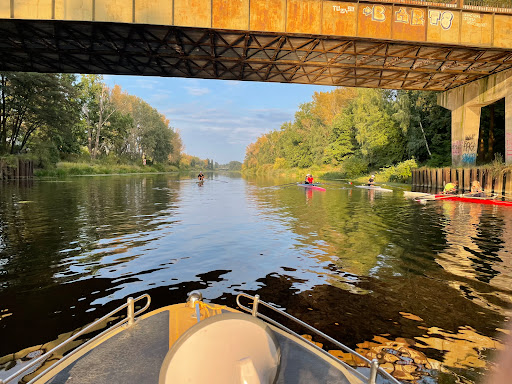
(424, 288)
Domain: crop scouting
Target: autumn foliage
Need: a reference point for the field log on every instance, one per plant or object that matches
(356, 130)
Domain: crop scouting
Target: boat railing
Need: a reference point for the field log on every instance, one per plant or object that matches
(129, 319)
(373, 364)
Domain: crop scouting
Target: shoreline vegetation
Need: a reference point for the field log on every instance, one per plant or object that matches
(67, 125)
(400, 173)
(66, 169)
(351, 133)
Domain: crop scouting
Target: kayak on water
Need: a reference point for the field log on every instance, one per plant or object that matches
(413, 195)
(312, 186)
(465, 198)
(492, 200)
(374, 187)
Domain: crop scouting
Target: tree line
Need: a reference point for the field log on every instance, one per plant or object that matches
(194, 162)
(56, 116)
(357, 130)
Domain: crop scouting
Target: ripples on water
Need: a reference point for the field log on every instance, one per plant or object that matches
(424, 288)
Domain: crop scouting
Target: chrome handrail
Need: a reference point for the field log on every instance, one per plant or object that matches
(130, 318)
(374, 367)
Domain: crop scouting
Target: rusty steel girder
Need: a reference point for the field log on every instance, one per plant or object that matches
(170, 51)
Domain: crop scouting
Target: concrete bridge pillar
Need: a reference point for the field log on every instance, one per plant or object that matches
(466, 103)
(508, 127)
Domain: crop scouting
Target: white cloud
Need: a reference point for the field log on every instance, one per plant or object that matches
(236, 127)
(197, 91)
(146, 83)
(160, 97)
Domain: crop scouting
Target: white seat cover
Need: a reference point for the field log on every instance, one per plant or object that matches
(227, 348)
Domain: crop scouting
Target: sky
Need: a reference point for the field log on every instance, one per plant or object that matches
(217, 119)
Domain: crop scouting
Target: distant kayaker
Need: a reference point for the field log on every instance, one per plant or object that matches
(371, 180)
(309, 179)
(476, 189)
(451, 188)
(200, 176)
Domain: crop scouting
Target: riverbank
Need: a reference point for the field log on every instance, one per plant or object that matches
(400, 173)
(63, 169)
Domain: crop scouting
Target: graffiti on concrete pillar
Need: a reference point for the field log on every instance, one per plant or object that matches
(469, 149)
(469, 144)
(469, 158)
(456, 147)
(508, 146)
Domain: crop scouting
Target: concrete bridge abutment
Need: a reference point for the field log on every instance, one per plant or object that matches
(466, 104)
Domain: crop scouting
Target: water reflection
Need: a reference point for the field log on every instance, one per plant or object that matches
(424, 288)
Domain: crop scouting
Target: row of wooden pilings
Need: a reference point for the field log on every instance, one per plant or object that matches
(22, 170)
(435, 178)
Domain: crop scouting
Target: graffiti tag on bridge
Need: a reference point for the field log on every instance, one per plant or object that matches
(415, 17)
(340, 9)
(469, 158)
(469, 146)
(377, 12)
(508, 145)
(457, 148)
(469, 149)
(442, 18)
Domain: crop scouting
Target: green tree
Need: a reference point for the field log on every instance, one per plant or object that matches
(425, 125)
(146, 131)
(36, 104)
(342, 142)
(97, 110)
(377, 133)
(235, 166)
(156, 136)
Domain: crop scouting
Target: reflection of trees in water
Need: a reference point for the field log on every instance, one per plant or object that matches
(477, 254)
(60, 224)
(490, 242)
(390, 256)
(412, 328)
(465, 348)
(358, 236)
(50, 233)
(332, 227)
(395, 356)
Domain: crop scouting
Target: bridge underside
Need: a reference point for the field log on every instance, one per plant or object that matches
(148, 50)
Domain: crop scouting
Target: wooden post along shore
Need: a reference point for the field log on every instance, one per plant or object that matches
(24, 169)
(435, 179)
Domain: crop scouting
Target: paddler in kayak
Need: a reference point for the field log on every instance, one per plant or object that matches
(371, 181)
(200, 177)
(451, 188)
(476, 189)
(309, 179)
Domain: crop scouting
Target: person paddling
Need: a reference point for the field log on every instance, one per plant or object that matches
(476, 189)
(309, 179)
(371, 181)
(451, 188)
(200, 176)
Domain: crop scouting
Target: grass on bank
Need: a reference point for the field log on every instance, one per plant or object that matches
(400, 173)
(63, 169)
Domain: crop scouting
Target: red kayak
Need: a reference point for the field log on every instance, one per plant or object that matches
(470, 199)
(312, 186)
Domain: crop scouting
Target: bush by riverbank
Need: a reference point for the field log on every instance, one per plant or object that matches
(64, 169)
(298, 173)
(400, 173)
